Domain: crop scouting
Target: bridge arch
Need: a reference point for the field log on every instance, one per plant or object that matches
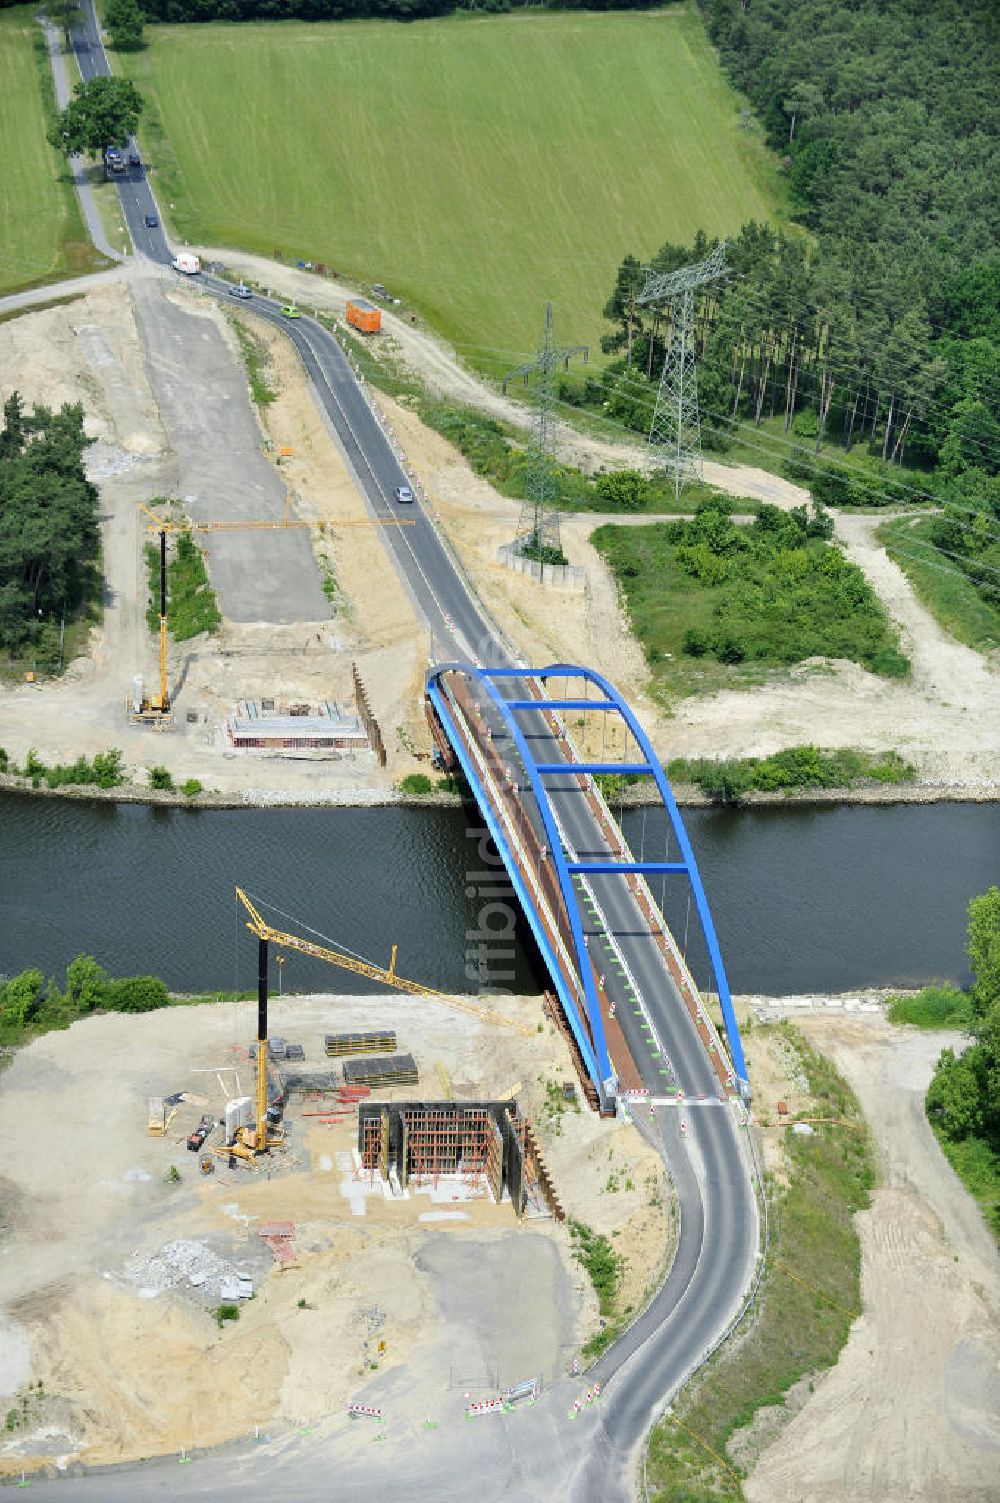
(507, 691)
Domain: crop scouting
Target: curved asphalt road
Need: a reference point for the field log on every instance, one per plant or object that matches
(539, 1454)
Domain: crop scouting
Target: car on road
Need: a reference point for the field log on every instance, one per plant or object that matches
(150, 221)
(242, 290)
(291, 311)
(134, 159)
(403, 495)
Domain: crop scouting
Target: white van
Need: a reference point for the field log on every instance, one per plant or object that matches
(186, 264)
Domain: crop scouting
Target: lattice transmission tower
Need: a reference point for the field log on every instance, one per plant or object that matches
(538, 525)
(676, 428)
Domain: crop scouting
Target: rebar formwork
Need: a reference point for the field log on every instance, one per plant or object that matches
(424, 1142)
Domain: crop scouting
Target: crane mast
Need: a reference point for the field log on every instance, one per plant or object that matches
(258, 925)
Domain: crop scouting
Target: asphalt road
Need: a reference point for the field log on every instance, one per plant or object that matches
(540, 1453)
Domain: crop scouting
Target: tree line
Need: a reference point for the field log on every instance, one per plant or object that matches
(49, 532)
(880, 330)
(342, 10)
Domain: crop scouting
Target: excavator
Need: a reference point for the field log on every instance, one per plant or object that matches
(265, 1135)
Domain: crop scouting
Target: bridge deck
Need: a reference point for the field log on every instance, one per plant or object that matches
(632, 1005)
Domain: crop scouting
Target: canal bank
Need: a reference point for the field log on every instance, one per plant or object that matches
(688, 796)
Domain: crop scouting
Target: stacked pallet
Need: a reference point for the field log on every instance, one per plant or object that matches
(340, 1044)
(385, 1070)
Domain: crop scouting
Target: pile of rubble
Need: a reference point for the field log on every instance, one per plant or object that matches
(191, 1267)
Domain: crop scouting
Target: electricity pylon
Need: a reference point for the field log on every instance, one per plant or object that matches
(676, 427)
(538, 525)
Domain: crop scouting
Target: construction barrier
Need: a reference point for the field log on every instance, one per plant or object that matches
(487, 1406)
(364, 1411)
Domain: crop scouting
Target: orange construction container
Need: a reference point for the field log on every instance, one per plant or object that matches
(364, 315)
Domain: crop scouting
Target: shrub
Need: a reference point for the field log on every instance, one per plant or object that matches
(933, 1007)
(724, 782)
(159, 777)
(624, 489)
(108, 768)
(19, 998)
(137, 994)
(191, 788)
(696, 642)
(224, 1313)
(415, 782)
(87, 984)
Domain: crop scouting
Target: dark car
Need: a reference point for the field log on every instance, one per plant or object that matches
(134, 159)
(151, 222)
(403, 495)
(200, 1133)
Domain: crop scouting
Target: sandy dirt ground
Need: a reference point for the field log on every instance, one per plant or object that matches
(98, 1238)
(91, 351)
(912, 1408)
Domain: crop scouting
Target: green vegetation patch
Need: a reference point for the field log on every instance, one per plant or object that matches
(30, 1005)
(464, 162)
(963, 1099)
(727, 780)
(809, 1298)
(933, 1007)
(42, 237)
(947, 592)
(710, 597)
(191, 603)
(416, 783)
(604, 1267)
(254, 353)
(105, 771)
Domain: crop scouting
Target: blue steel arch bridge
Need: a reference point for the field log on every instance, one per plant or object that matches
(637, 1021)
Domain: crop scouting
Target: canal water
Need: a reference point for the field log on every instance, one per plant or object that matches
(804, 899)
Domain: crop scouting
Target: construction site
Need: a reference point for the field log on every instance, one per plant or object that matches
(267, 1212)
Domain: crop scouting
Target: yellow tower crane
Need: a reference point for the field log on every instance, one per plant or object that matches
(156, 709)
(266, 934)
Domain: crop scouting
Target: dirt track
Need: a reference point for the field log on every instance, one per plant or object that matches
(912, 1408)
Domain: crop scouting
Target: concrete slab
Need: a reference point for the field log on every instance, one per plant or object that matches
(223, 475)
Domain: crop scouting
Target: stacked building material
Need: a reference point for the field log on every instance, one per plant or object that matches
(381, 1042)
(381, 1070)
(310, 1080)
(278, 1236)
(276, 1049)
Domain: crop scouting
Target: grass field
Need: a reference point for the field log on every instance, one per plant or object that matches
(41, 231)
(475, 165)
